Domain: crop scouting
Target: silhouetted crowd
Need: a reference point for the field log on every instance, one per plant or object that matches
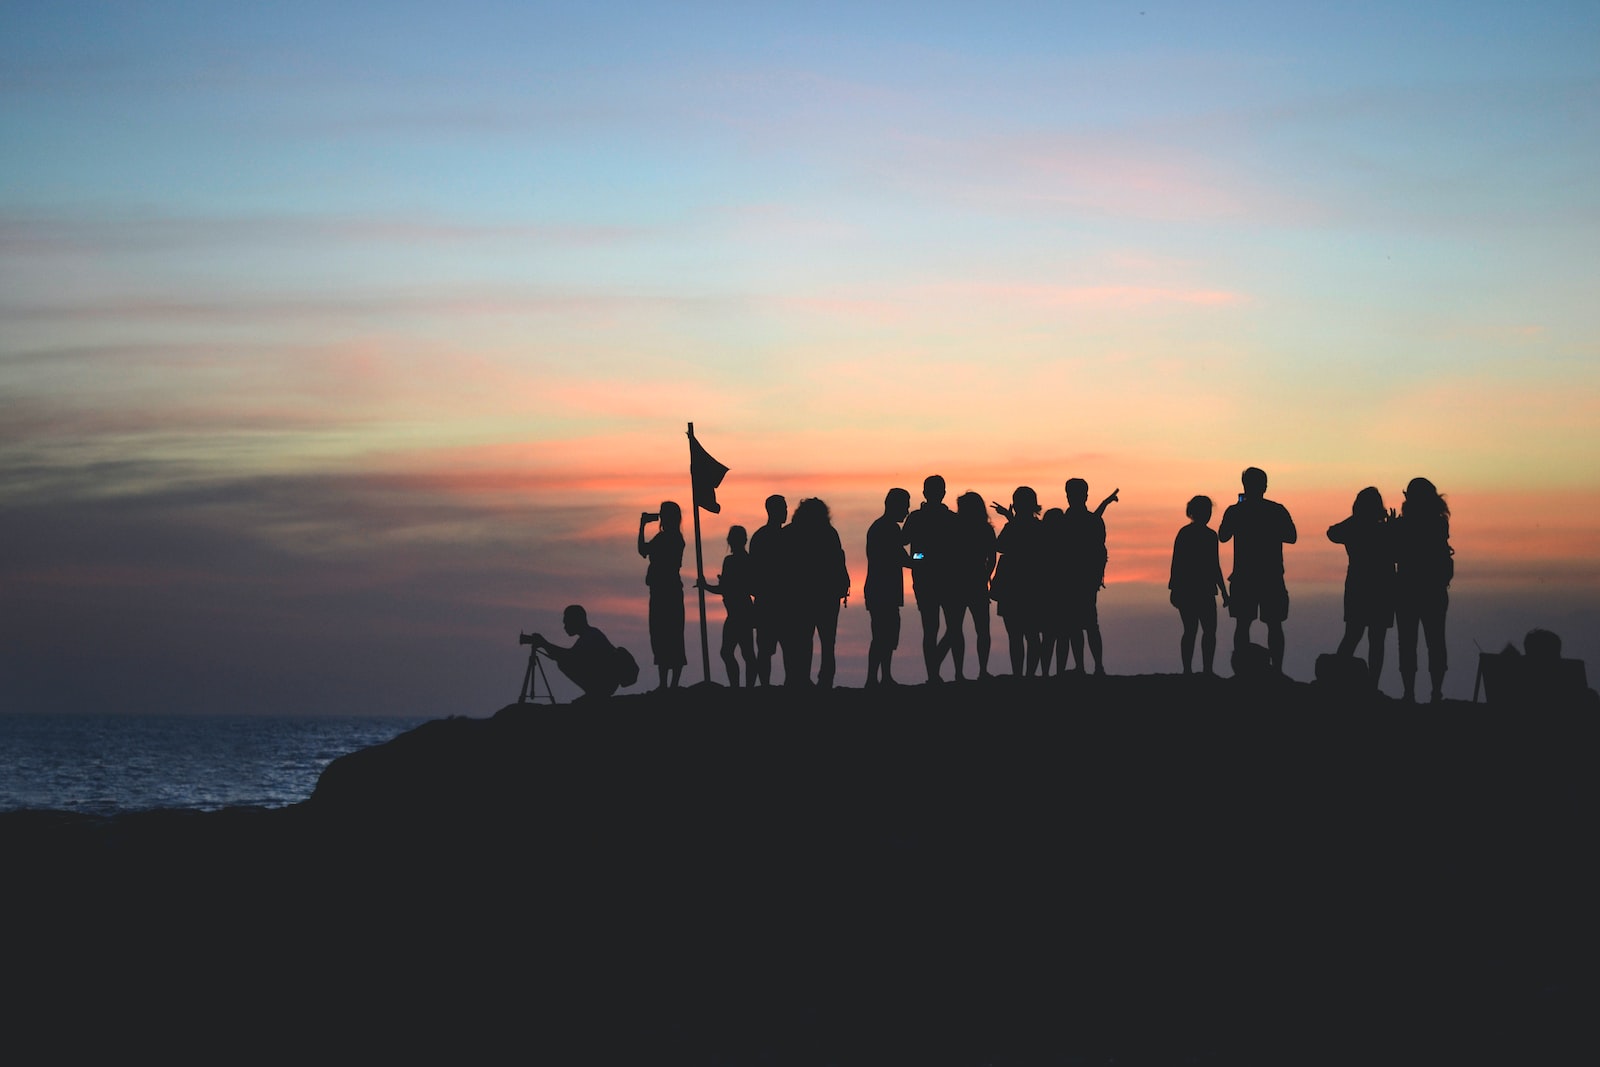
(782, 586)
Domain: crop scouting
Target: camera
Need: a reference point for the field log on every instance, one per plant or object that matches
(917, 555)
(1241, 498)
(530, 639)
(651, 516)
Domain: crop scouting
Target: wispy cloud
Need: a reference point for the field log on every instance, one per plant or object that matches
(28, 234)
(388, 306)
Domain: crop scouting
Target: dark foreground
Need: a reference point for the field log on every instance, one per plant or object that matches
(1128, 870)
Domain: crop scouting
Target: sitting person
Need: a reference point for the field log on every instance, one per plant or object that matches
(1538, 675)
(591, 663)
(1542, 647)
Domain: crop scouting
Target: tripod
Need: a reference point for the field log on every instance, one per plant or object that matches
(531, 679)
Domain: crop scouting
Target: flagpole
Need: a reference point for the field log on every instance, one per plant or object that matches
(699, 563)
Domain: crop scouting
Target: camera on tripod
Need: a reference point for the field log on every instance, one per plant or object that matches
(535, 673)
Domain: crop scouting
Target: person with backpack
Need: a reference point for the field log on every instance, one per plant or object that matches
(592, 663)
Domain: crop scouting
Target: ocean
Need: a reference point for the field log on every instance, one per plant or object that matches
(112, 764)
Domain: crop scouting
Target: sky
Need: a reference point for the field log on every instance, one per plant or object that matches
(342, 343)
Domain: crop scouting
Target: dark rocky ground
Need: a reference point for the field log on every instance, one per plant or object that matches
(1079, 871)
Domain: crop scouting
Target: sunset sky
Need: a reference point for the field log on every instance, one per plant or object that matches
(339, 343)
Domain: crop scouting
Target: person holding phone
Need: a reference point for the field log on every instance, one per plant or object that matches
(664, 577)
(931, 533)
(885, 589)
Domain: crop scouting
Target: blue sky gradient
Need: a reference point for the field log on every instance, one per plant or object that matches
(344, 340)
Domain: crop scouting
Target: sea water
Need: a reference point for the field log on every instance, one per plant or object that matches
(110, 764)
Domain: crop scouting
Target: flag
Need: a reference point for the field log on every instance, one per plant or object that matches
(706, 474)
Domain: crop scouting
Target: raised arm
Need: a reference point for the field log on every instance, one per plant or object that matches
(1107, 502)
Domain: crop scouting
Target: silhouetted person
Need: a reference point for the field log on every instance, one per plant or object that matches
(884, 592)
(1368, 579)
(820, 581)
(930, 531)
(1542, 647)
(738, 628)
(1084, 559)
(1054, 638)
(768, 585)
(970, 572)
(1016, 585)
(1537, 677)
(665, 553)
(1425, 565)
(1195, 581)
(591, 663)
(1258, 528)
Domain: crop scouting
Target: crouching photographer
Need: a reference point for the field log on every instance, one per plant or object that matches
(592, 663)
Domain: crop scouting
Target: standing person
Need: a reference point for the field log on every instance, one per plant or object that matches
(972, 568)
(930, 532)
(1052, 577)
(665, 553)
(1258, 528)
(1425, 566)
(767, 583)
(1194, 583)
(1016, 584)
(738, 628)
(885, 586)
(1369, 578)
(1084, 558)
(821, 582)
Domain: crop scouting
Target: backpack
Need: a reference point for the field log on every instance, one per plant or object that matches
(627, 666)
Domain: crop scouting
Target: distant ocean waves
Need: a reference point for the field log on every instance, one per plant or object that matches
(106, 764)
